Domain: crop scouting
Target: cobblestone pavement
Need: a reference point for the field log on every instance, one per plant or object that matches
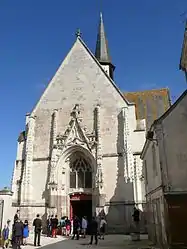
(111, 242)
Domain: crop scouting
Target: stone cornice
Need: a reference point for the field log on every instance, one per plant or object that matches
(37, 159)
(15, 204)
(137, 153)
(42, 159)
(113, 203)
(112, 155)
(160, 187)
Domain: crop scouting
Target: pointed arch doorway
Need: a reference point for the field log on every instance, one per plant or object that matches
(81, 205)
(80, 180)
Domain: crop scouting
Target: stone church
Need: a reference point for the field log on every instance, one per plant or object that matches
(80, 151)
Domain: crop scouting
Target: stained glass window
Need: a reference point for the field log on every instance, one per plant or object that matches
(88, 179)
(80, 173)
(73, 179)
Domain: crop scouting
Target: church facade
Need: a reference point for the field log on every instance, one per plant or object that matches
(80, 151)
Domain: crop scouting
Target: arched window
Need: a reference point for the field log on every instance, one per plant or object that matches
(80, 173)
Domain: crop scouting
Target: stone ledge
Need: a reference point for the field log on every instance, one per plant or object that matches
(124, 203)
(39, 159)
(29, 204)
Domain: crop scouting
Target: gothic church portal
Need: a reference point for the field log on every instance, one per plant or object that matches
(81, 145)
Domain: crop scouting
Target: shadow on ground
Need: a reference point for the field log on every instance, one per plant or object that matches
(111, 241)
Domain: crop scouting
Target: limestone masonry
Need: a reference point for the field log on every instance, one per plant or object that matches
(82, 144)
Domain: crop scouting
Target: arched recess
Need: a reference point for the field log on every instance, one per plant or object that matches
(77, 161)
(80, 172)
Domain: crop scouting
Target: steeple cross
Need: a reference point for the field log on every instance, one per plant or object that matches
(78, 33)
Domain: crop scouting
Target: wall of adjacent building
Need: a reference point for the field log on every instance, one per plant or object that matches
(152, 170)
(173, 134)
(155, 205)
(156, 216)
(153, 190)
(171, 156)
(8, 211)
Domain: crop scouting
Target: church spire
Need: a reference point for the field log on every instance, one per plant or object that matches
(183, 59)
(102, 51)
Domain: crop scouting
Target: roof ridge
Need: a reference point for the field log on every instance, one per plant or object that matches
(151, 90)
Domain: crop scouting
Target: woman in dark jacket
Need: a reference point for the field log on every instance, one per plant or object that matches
(17, 234)
(76, 227)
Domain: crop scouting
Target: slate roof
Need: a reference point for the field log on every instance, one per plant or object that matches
(183, 59)
(150, 104)
(102, 50)
(161, 118)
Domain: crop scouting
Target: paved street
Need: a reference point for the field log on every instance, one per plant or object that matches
(111, 241)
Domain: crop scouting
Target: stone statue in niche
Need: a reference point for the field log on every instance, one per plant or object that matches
(76, 112)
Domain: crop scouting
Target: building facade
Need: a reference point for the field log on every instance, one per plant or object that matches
(164, 157)
(80, 151)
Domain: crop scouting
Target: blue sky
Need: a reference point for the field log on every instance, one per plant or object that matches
(145, 39)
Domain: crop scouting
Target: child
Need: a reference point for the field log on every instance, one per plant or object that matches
(68, 226)
(63, 226)
(6, 235)
(25, 232)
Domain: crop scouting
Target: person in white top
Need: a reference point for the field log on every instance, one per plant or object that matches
(103, 224)
(84, 226)
(71, 227)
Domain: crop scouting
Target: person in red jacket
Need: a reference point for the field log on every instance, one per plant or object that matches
(54, 226)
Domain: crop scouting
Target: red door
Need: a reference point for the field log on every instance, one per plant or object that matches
(78, 199)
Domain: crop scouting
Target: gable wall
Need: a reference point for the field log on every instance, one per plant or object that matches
(78, 81)
(81, 81)
(152, 171)
(175, 144)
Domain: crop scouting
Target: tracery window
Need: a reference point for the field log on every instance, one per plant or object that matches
(80, 173)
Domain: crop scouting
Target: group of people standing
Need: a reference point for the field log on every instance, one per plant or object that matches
(76, 227)
(96, 229)
(55, 226)
(18, 234)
